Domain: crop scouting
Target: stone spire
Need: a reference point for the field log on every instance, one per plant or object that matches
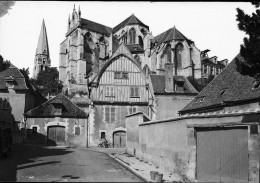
(43, 47)
(42, 56)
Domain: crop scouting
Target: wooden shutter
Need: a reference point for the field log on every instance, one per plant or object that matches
(113, 114)
(107, 117)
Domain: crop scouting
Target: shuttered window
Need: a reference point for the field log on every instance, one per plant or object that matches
(132, 109)
(110, 114)
(134, 92)
(110, 91)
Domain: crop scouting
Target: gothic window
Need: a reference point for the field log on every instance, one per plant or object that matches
(138, 59)
(110, 114)
(179, 49)
(141, 41)
(88, 37)
(143, 31)
(134, 92)
(169, 53)
(132, 35)
(205, 69)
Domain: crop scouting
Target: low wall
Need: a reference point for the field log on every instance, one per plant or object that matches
(171, 144)
(132, 133)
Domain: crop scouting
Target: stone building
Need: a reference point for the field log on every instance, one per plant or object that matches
(170, 93)
(88, 54)
(42, 56)
(88, 46)
(17, 96)
(216, 138)
(58, 121)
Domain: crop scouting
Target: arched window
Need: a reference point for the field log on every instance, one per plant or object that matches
(178, 53)
(138, 59)
(101, 39)
(141, 41)
(132, 36)
(88, 37)
(143, 31)
(169, 53)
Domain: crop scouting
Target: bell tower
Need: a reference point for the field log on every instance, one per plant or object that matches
(42, 56)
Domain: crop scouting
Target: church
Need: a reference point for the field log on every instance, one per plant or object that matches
(106, 71)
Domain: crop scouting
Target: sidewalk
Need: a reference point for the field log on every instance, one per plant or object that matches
(138, 167)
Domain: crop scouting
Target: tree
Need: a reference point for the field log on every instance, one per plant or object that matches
(250, 50)
(48, 81)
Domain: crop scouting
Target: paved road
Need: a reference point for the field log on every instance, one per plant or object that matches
(60, 164)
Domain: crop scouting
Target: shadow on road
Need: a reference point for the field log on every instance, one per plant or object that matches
(67, 177)
(22, 155)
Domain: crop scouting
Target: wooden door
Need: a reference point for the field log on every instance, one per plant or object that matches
(56, 135)
(222, 154)
(119, 139)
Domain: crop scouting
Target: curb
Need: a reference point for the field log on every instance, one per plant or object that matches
(129, 168)
(123, 164)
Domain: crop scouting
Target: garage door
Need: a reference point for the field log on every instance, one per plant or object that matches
(222, 154)
(56, 135)
(119, 139)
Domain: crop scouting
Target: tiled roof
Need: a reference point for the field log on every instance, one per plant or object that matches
(69, 109)
(170, 34)
(158, 82)
(135, 48)
(11, 70)
(129, 21)
(228, 87)
(96, 26)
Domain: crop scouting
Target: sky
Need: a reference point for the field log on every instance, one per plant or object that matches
(211, 25)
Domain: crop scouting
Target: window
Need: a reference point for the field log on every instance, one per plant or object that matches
(110, 114)
(34, 130)
(169, 53)
(134, 92)
(132, 109)
(138, 59)
(6, 103)
(211, 69)
(179, 49)
(77, 130)
(217, 71)
(121, 75)
(103, 135)
(205, 69)
(132, 36)
(110, 91)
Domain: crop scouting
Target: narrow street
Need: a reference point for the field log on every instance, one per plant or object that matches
(59, 164)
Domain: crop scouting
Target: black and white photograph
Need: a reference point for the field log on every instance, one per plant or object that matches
(130, 91)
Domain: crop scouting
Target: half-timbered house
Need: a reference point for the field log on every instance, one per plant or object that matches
(120, 88)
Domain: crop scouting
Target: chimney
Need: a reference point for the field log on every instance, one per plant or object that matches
(1, 63)
(169, 83)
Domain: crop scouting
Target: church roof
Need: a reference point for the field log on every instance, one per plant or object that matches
(227, 89)
(43, 47)
(170, 34)
(69, 109)
(96, 26)
(129, 21)
(158, 82)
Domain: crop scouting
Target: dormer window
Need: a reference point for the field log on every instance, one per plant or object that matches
(9, 82)
(57, 107)
(121, 75)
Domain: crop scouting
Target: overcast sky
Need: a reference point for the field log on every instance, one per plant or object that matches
(211, 25)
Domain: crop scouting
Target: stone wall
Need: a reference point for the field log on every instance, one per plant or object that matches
(42, 125)
(171, 144)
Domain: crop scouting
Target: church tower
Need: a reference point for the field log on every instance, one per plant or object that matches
(42, 56)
